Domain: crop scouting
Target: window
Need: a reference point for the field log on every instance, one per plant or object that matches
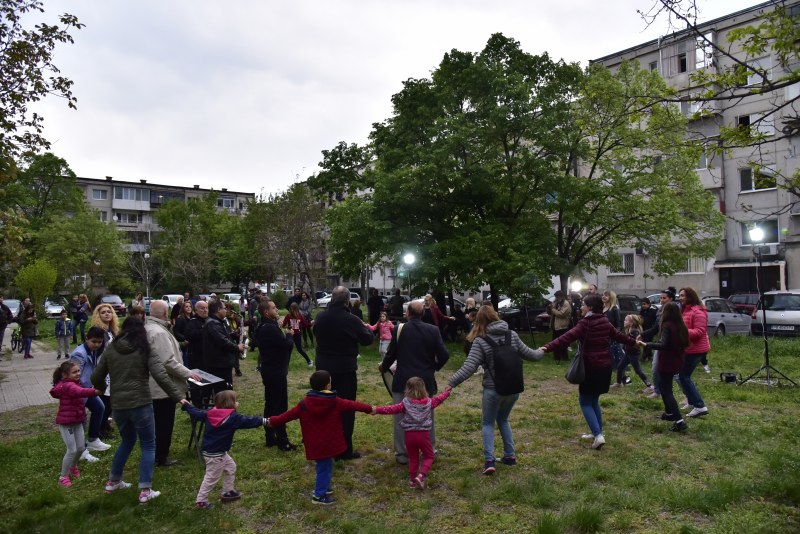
(103, 216)
(99, 194)
(764, 124)
(702, 164)
(690, 107)
(225, 202)
(625, 266)
(682, 64)
(694, 265)
(763, 71)
(653, 65)
(159, 197)
(770, 229)
(126, 217)
(131, 193)
(704, 51)
(791, 92)
(751, 179)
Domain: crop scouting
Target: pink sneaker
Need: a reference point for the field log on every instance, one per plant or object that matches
(64, 482)
(74, 472)
(420, 480)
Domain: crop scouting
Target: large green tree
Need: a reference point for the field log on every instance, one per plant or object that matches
(37, 280)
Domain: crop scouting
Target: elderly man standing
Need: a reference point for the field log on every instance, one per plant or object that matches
(165, 350)
(339, 333)
(419, 351)
(219, 351)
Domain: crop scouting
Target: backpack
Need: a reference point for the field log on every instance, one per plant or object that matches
(505, 366)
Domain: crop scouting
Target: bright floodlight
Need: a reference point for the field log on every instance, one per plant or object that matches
(409, 259)
(576, 286)
(756, 234)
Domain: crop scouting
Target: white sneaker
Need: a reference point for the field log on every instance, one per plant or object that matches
(587, 436)
(97, 445)
(311, 364)
(148, 495)
(653, 395)
(697, 412)
(599, 441)
(114, 485)
(88, 457)
(706, 368)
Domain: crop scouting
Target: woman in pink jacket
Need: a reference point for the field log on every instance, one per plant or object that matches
(696, 319)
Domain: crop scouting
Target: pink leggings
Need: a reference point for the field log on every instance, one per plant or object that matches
(419, 441)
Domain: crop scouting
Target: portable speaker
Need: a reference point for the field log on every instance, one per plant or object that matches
(728, 378)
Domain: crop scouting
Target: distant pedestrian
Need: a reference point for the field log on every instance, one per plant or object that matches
(297, 322)
(306, 307)
(560, 312)
(65, 328)
(70, 417)
(27, 324)
(5, 318)
(384, 328)
(84, 312)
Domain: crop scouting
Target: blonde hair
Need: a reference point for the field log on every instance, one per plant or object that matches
(226, 399)
(612, 298)
(113, 326)
(415, 388)
(486, 315)
(637, 323)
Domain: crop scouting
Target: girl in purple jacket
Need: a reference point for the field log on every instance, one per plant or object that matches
(70, 416)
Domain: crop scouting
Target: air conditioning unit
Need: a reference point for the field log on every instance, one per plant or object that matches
(769, 250)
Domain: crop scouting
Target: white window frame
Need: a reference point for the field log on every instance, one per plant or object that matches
(628, 262)
(704, 51)
(694, 265)
(131, 193)
(128, 217)
(103, 216)
(745, 234)
(763, 171)
(226, 203)
(99, 194)
(764, 122)
(762, 63)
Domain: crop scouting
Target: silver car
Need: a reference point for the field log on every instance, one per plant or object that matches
(724, 318)
(782, 317)
(54, 306)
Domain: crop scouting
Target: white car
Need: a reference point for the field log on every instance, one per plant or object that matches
(54, 306)
(324, 301)
(231, 297)
(172, 300)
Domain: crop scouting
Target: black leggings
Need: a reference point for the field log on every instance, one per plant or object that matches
(298, 344)
(670, 404)
(633, 360)
(308, 334)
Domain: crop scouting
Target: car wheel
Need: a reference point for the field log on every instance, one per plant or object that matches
(720, 331)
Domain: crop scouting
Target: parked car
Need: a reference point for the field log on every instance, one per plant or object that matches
(531, 315)
(655, 300)
(323, 302)
(723, 318)
(119, 307)
(171, 300)
(230, 297)
(744, 302)
(629, 305)
(13, 305)
(780, 312)
(321, 295)
(53, 307)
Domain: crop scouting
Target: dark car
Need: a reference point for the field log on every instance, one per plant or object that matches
(744, 302)
(629, 305)
(116, 303)
(526, 316)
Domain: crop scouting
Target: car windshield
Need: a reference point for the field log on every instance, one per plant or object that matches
(112, 299)
(782, 302)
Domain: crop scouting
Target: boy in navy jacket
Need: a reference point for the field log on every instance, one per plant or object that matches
(221, 423)
(65, 329)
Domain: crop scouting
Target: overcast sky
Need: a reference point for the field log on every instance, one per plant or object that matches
(246, 94)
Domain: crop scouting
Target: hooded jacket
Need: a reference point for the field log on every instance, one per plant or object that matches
(417, 413)
(321, 423)
(221, 424)
(696, 319)
(71, 406)
(594, 331)
(87, 361)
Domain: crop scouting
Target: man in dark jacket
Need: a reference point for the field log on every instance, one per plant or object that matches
(219, 350)
(75, 314)
(419, 351)
(374, 306)
(297, 297)
(338, 335)
(274, 348)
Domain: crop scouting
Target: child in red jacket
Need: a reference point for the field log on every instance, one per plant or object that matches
(298, 323)
(321, 424)
(70, 416)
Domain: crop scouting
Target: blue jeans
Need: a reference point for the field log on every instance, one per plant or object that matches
(27, 344)
(496, 408)
(590, 406)
(685, 380)
(324, 475)
(133, 423)
(96, 406)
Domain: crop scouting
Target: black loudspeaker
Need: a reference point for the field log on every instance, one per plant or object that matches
(728, 378)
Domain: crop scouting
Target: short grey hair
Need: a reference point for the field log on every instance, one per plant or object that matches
(340, 296)
(158, 309)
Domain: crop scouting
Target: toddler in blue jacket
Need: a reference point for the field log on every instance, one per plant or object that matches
(221, 423)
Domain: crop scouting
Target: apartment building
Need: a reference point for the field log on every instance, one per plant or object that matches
(748, 195)
(132, 205)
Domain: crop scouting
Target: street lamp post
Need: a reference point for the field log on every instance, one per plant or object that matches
(147, 274)
(409, 260)
(757, 238)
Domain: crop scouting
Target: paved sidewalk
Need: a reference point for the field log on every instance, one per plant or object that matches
(25, 382)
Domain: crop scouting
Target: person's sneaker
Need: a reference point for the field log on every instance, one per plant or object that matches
(616, 385)
(648, 390)
(697, 412)
(114, 485)
(587, 436)
(74, 472)
(420, 480)
(238, 373)
(324, 500)
(288, 447)
(679, 426)
(653, 395)
(628, 380)
(64, 482)
(88, 457)
(58, 357)
(230, 496)
(147, 495)
(707, 368)
(666, 417)
(598, 442)
(509, 460)
(203, 505)
(310, 364)
(97, 445)
(488, 467)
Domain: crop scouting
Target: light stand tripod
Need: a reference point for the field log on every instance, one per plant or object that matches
(766, 366)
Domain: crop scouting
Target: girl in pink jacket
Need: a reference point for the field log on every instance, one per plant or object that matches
(384, 327)
(696, 319)
(70, 416)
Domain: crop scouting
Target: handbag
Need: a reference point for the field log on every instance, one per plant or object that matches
(576, 372)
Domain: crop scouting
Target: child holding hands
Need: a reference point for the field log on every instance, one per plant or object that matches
(70, 416)
(417, 421)
(321, 424)
(384, 327)
(222, 422)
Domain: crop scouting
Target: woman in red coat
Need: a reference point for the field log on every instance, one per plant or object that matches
(594, 330)
(695, 317)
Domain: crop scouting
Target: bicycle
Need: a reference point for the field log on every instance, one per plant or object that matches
(16, 341)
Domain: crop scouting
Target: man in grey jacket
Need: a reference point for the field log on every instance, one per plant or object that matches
(166, 350)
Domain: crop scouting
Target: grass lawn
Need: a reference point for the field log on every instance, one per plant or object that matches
(736, 470)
